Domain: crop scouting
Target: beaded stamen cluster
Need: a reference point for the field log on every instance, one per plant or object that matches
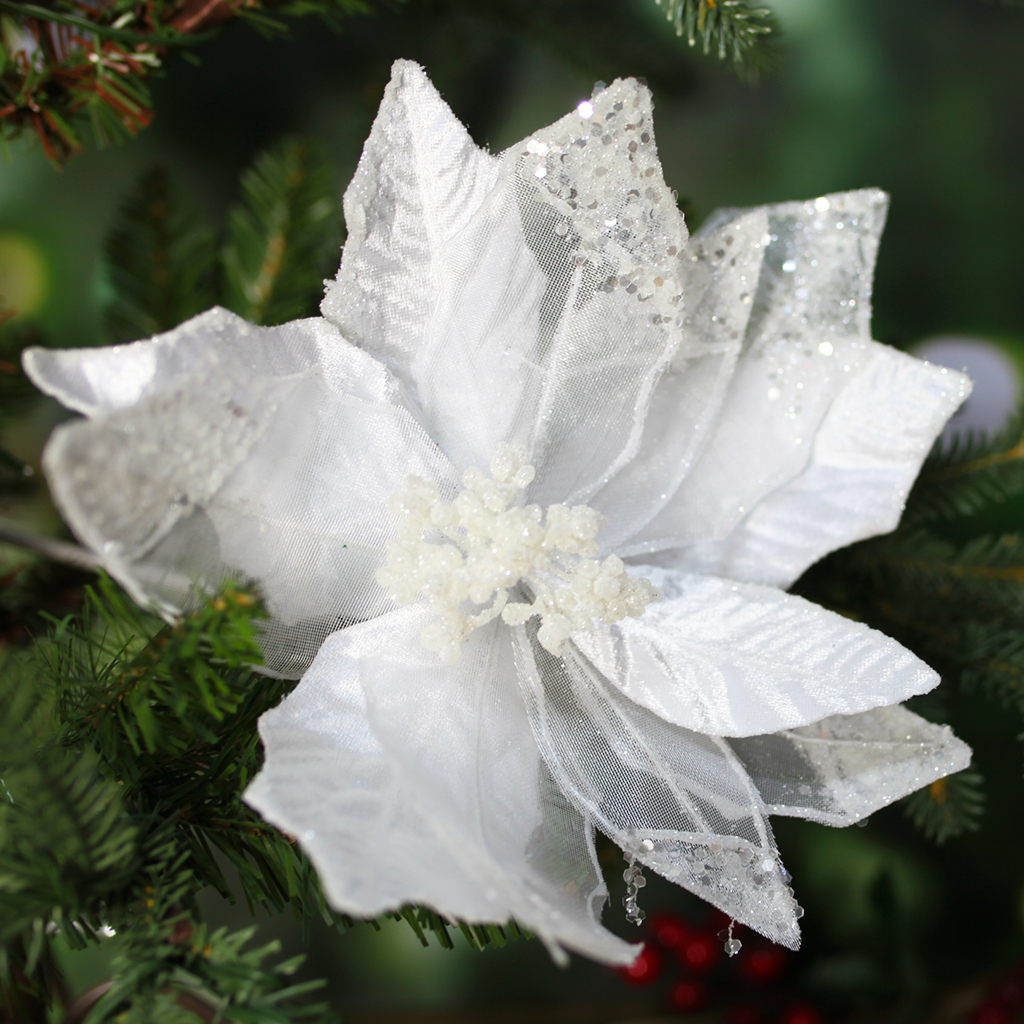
(465, 557)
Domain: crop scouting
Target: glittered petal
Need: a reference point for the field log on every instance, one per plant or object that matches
(679, 801)
(411, 782)
(719, 278)
(740, 659)
(865, 458)
(234, 470)
(608, 235)
(843, 768)
(807, 337)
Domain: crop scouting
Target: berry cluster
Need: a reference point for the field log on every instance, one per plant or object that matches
(748, 988)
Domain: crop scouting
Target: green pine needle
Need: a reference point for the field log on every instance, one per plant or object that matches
(65, 839)
(282, 237)
(948, 807)
(730, 28)
(160, 260)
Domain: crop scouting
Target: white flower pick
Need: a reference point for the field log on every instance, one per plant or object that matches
(593, 635)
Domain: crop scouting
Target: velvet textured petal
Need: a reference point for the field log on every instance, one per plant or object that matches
(437, 278)
(740, 659)
(413, 782)
(864, 460)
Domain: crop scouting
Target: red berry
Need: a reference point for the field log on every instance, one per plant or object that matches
(687, 995)
(762, 964)
(699, 952)
(992, 1012)
(669, 930)
(801, 1013)
(644, 969)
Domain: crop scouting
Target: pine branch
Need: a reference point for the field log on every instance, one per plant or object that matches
(160, 260)
(64, 837)
(731, 28)
(948, 807)
(972, 472)
(170, 962)
(960, 607)
(282, 236)
(65, 62)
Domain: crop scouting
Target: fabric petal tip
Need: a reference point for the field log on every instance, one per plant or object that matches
(91, 381)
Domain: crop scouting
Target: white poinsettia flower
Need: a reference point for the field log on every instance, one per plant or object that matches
(523, 505)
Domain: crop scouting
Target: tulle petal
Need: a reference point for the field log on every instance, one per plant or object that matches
(739, 659)
(678, 801)
(808, 334)
(843, 768)
(243, 467)
(411, 782)
(719, 278)
(609, 238)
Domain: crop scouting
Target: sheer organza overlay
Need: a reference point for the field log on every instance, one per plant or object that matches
(717, 399)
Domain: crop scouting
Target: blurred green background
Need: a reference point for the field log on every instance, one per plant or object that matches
(924, 98)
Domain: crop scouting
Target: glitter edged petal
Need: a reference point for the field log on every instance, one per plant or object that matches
(93, 381)
(233, 470)
(679, 802)
(813, 297)
(843, 768)
(609, 238)
(865, 458)
(719, 277)
(443, 802)
(739, 659)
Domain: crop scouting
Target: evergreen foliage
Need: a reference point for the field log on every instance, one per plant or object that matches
(282, 236)
(948, 807)
(65, 64)
(729, 28)
(969, 474)
(160, 259)
(62, 63)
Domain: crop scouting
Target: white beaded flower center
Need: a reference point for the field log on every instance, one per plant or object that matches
(465, 557)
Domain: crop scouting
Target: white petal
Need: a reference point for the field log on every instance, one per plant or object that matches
(719, 279)
(840, 770)
(270, 461)
(808, 333)
(740, 659)
(436, 276)
(410, 782)
(865, 458)
(607, 233)
(96, 380)
(419, 181)
(533, 300)
(679, 801)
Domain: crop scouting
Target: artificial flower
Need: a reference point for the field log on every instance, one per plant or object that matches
(523, 504)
